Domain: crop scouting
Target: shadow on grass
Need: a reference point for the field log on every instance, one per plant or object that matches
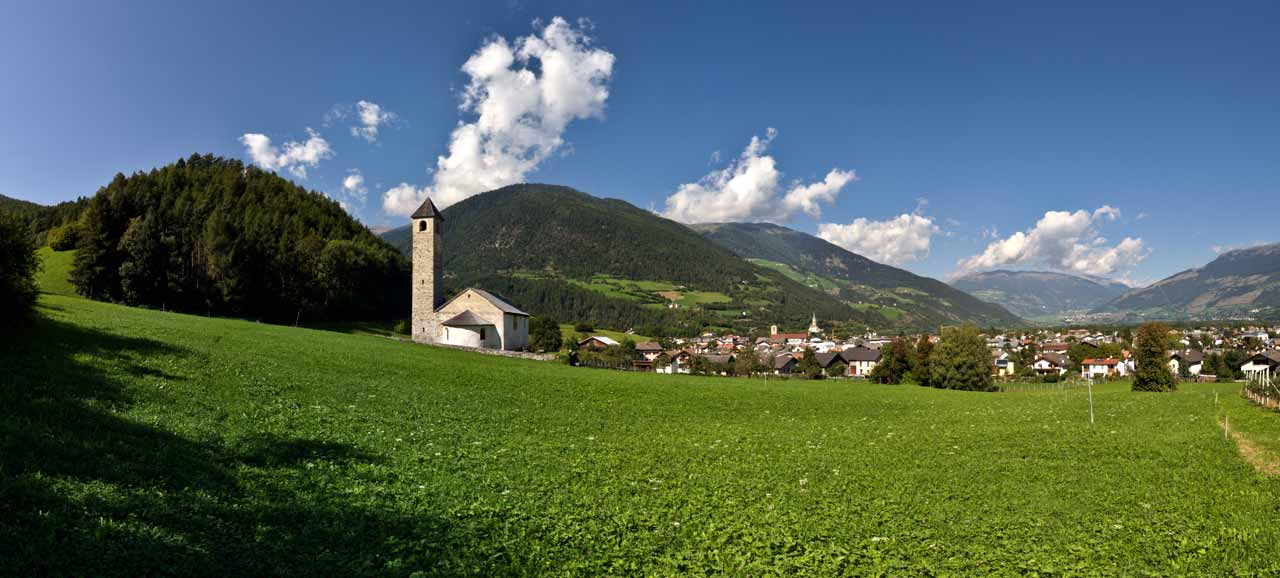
(85, 491)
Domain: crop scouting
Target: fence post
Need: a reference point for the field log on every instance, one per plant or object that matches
(1090, 406)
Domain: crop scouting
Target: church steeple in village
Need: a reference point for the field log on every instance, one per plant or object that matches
(813, 325)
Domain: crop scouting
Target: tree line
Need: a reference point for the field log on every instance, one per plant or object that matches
(213, 235)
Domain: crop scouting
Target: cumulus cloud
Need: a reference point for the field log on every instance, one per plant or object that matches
(1063, 241)
(524, 95)
(894, 241)
(295, 156)
(748, 190)
(353, 185)
(371, 117)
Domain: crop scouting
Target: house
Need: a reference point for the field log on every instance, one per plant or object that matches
(1193, 359)
(597, 343)
(1262, 367)
(1051, 363)
(784, 363)
(473, 318)
(649, 350)
(678, 361)
(1055, 347)
(1001, 364)
(1102, 368)
(861, 360)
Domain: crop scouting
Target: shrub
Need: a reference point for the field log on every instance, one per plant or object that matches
(18, 266)
(64, 238)
(402, 327)
(1151, 371)
(961, 360)
(544, 334)
(583, 328)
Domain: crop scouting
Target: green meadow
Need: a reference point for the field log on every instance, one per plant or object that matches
(138, 443)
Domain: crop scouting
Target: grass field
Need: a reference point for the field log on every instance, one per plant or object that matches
(137, 443)
(568, 334)
(55, 267)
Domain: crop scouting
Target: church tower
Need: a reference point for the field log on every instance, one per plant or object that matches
(427, 230)
(813, 325)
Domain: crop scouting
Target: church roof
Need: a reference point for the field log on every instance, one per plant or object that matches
(502, 304)
(467, 318)
(427, 211)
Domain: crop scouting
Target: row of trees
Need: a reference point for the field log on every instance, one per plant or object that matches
(18, 266)
(212, 235)
(960, 360)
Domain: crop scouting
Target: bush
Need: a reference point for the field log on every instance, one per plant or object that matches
(18, 266)
(583, 328)
(402, 327)
(1151, 371)
(64, 238)
(544, 334)
(961, 360)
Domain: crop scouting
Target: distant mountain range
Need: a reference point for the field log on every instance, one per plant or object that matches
(1040, 294)
(554, 249)
(899, 295)
(1244, 283)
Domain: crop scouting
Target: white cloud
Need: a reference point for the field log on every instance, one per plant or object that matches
(747, 190)
(295, 157)
(403, 199)
(371, 117)
(894, 241)
(1063, 241)
(353, 185)
(524, 94)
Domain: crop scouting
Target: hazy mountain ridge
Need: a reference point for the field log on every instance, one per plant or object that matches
(920, 301)
(1040, 293)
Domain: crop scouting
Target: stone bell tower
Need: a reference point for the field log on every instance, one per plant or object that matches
(427, 230)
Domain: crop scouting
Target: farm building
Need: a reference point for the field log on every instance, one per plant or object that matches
(473, 318)
(1262, 367)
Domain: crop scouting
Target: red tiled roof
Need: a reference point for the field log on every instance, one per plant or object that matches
(1092, 361)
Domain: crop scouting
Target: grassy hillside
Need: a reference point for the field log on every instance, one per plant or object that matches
(1244, 283)
(902, 298)
(55, 271)
(135, 442)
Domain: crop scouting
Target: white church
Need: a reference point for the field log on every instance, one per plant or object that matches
(475, 317)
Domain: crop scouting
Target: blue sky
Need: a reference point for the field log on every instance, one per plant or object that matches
(1122, 139)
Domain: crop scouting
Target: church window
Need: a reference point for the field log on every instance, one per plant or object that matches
(422, 225)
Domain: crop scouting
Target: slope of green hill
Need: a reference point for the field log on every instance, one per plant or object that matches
(1039, 293)
(1244, 283)
(916, 302)
(558, 251)
(55, 271)
(213, 235)
(140, 443)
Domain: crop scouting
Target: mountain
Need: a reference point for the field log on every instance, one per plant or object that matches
(557, 251)
(1244, 283)
(909, 300)
(43, 218)
(1033, 294)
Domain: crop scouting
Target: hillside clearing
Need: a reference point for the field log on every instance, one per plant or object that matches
(139, 443)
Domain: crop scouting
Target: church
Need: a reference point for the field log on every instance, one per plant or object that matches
(473, 318)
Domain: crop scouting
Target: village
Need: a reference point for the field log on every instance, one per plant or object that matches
(1198, 354)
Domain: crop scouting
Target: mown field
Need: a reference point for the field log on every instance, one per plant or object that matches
(137, 443)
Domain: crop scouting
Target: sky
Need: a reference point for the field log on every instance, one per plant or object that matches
(1124, 140)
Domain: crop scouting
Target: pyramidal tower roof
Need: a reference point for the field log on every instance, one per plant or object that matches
(427, 211)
